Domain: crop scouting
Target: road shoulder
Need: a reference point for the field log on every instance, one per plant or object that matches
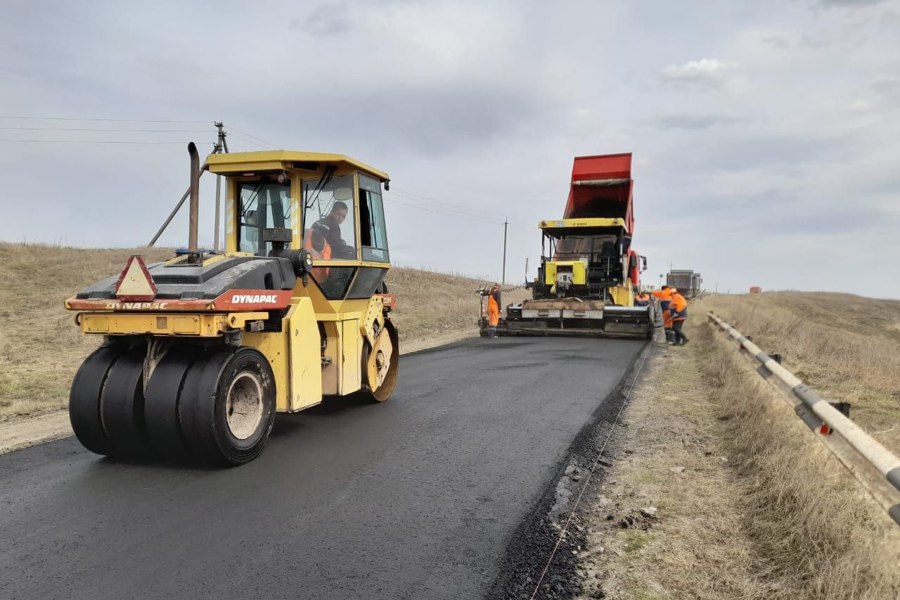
(666, 521)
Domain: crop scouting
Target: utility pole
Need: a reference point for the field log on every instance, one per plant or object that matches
(505, 225)
(526, 270)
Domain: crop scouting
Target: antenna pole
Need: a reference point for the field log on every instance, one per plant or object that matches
(505, 225)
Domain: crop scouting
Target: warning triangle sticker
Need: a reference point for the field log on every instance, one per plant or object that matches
(135, 283)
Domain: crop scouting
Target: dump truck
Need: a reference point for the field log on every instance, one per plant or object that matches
(201, 351)
(686, 281)
(589, 271)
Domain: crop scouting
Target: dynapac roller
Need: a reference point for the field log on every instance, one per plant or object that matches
(202, 350)
(589, 272)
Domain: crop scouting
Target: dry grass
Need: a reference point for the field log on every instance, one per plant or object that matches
(847, 347)
(41, 348)
(761, 509)
(816, 533)
(693, 547)
(432, 303)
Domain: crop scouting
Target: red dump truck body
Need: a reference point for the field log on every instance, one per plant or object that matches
(602, 187)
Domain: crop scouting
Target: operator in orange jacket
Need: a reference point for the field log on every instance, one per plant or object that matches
(493, 304)
(664, 295)
(678, 309)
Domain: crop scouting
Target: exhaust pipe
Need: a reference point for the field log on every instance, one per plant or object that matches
(193, 250)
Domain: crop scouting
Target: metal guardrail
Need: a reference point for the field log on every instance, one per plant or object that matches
(873, 465)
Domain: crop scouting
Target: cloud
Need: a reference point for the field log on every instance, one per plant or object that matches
(431, 119)
(704, 71)
(777, 41)
(325, 20)
(693, 121)
(849, 3)
(481, 106)
(777, 150)
(888, 88)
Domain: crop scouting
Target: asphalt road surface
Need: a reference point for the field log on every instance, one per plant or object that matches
(416, 498)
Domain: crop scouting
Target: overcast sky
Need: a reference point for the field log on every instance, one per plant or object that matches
(766, 134)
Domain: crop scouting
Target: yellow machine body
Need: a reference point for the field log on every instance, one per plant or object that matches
(578, 269)
(330, 335)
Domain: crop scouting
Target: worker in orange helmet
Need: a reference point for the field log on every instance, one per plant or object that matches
(678, 310)
(493, 310)
(664, 295)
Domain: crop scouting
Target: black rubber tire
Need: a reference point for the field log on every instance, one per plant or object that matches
(85, 394)
(122, 406)
(204, 412)
(196, 409)
(161, 403)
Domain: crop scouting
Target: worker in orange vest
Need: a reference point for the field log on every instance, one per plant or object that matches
(493, 310)
(678, 310)
(319, 251)
(664, 295)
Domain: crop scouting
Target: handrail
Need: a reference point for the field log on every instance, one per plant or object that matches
(875, 454)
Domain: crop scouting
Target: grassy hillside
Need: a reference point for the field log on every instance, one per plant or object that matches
(843, 345)
(747, 504)
(41, 347)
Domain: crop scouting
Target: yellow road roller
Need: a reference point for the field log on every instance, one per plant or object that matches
(202, 350)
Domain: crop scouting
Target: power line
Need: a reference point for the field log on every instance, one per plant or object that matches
(135, 142)
(250, 135)
(98, 119)
(438, 210)
(444, 205)
(125, 130)
(444, 209)
(248, 140)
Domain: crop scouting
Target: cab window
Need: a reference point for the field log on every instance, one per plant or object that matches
(262, 204)
(372, 230)
(329, 218)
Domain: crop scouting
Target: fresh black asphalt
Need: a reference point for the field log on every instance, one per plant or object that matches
(416, 498)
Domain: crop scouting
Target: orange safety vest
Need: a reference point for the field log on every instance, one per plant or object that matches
(319, 273)
(493, 310)
(678, 305)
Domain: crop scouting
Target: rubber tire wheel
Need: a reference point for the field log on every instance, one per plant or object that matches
(203, 407)
(84, 398)
(161, 402)
(122, 406)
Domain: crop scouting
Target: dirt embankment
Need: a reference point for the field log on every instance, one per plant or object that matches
(718, 491)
